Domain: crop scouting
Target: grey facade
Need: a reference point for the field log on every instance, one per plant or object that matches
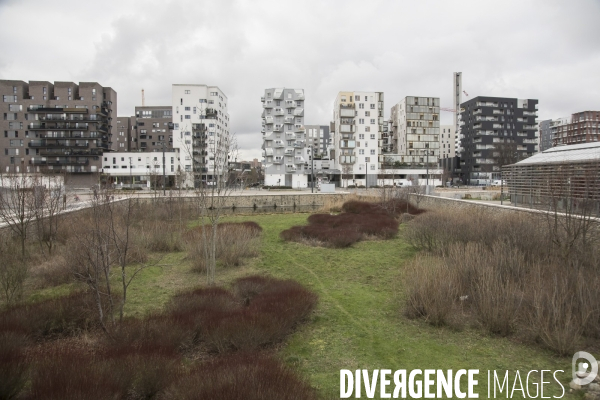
(283, 133)
(317, 137)
(56, 127)
(122, 140)
(545, 134)
(495, 131)
(151, 127)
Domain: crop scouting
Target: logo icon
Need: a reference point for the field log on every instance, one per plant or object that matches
(581, 375)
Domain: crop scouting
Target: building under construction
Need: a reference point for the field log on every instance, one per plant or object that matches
(564, 179)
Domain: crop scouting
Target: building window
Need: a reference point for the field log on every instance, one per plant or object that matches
(361, 105)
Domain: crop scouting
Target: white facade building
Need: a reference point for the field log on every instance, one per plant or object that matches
(201, 132)
(447, 141)
(140, 168)
(415, 132)
(358, 120)
(284, 139)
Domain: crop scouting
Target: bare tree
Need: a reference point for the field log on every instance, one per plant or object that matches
(210, 152)
(13, 271)
(17, 204)
(505, 153)
(50, 200)
(346, 172)
(103, 241)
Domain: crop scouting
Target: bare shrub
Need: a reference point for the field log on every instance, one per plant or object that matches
(159, 236)
(53, 272)
(510, 275)
(243, 376)
(431, 290)
(234, 242)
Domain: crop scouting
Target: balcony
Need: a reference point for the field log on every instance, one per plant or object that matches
(299, 144)
(290, 104)
(278, 144)
(347, 144)
(277, 160)
(347, 113)
(347, 159)
(299, 112)
(299, 160)
(290, 135)
(289, 152)
(347, 128)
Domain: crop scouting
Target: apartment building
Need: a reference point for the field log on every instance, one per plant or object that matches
(584, 127)
(122, 140)
(545, 134)
(359, 126)
(447, 141)
(284, 145)
(200, 133)
(415, 130)
(56, 127)
(152, 126)
(317, 138)
(495, 131)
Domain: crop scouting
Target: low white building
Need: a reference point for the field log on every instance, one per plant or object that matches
(140, 169)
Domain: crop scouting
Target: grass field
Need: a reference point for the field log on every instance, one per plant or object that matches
(358, 323)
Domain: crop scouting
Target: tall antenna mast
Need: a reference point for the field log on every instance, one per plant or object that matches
(143, 99)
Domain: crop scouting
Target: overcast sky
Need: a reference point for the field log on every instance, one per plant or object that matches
(547, 50)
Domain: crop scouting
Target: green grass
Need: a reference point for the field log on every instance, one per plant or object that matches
(358, 323)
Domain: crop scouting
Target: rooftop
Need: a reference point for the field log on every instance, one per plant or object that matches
(562, 154)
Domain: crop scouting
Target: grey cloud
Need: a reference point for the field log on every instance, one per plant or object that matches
(530, 49)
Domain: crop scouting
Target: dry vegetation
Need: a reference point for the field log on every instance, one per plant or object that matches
(81, 345)
(533, 277)
(358, 221)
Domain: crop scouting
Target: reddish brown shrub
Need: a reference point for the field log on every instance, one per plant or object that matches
(344, 229)
(247, 376)
(13, 367)
(65, 315)
(260, 311)
(68, 374)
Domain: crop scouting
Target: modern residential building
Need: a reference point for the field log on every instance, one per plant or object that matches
(152, 126)
(584, 127)
(284, 138)
(447, 141)
(359, 126)
(200, 132)
(317, 137)
(122, 140)
(415, 130)
(545, 134)
(495, 131)
(56, 127)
